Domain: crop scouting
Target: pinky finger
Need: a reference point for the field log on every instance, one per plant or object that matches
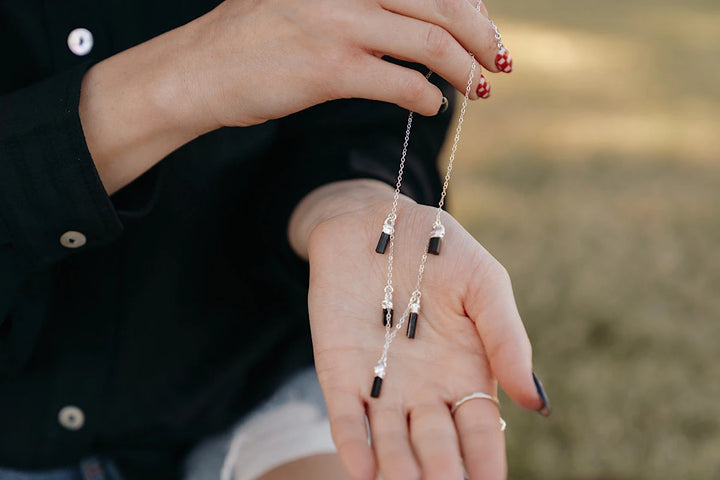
(377, 79)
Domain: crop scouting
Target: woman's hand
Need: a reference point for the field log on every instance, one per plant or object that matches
(469, 336)
(258, 60)
(248, 61)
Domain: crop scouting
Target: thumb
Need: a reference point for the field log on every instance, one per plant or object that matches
(490, 303)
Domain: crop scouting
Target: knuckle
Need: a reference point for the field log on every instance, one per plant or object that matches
(437, 41)
(443, 464)
(343, 422)
(414, 88)
(501, 343)
(397, 465)
(343, 443)
(389, 436)
(334, 81)
(498, 273)
(334, 59)
(431, 433)
(326, 13)
(481, 429)
(421, 411)
(524, 346)
(449, 9)
(487, 271)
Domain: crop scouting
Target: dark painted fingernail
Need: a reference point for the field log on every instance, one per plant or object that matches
(443, 106)
(545, 409)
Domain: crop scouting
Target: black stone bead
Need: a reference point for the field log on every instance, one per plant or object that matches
(377, 383)
(385, 314)
(434, 245)
(382, 243)
(412, 325)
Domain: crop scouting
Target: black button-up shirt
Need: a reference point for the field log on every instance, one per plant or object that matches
(165, 311)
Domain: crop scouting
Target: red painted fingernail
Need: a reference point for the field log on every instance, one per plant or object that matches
(483, 88)
(503, 60)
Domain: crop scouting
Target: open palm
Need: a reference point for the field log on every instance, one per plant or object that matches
(468, 335)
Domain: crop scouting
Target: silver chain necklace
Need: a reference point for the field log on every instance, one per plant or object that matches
(387, 243)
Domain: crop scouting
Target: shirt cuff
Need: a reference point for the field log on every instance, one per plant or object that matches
(51, 198)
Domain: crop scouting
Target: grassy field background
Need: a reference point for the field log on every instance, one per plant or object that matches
(593, 175)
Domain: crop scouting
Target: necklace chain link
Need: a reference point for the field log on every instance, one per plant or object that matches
(413, 304)
(414, 301)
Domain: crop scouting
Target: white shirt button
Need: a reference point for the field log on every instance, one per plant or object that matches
(72, 239)
(80, 41)
(71, 417)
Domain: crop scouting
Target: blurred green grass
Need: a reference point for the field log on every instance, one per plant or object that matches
(593, 175)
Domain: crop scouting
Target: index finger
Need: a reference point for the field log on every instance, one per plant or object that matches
(468, 24)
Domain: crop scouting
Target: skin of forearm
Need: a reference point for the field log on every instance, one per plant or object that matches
(333, 199)
(135, 107)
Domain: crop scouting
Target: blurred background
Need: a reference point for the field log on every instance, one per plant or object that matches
(593, 175)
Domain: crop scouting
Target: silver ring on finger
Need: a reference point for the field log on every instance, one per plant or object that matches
(479, 396)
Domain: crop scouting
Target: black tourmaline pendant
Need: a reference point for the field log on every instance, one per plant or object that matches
(387, 230)
(412, 320)
(385, 316)
(377, 383)
(412, 325)
(435, 239)
(434, 245)
(382, 243)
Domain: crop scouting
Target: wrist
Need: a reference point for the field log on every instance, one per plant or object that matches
(136, 108)
(168, 80)
(366, 198)
(178, 90)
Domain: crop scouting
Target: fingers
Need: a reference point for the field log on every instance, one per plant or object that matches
(414, 40)
(490, 303)
(436, 33)
(347, 423)
(377, 79)
(468, 25)
(482, 8)
(481, 440)
(391, 443)
(435, 442)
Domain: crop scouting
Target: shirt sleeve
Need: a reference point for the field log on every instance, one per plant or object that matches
(350, 139)
(49, 187)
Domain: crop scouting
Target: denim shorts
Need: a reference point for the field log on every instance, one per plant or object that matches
(291, 424)
(89, 469)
